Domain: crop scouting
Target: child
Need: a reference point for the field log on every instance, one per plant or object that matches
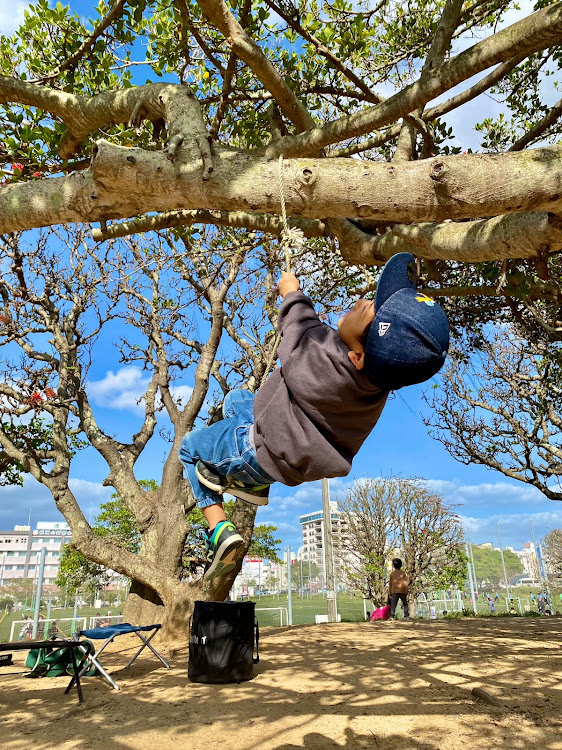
(312, 415)
(398, 591)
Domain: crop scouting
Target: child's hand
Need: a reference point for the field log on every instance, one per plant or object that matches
(288, 283)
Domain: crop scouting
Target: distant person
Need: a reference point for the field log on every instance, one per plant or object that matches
(26, 629)
(53, 630)
(398, 589)
(512, 610)
(541, 604)
(492, 606)
(496, 596)
(432, 613)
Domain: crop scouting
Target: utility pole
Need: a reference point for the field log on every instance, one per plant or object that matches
(539, 576)
(328, 553)
(289, 591)
(503, 563)
(38, 592)
(471, 582)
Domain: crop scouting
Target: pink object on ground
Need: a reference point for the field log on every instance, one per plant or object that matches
(382, 613)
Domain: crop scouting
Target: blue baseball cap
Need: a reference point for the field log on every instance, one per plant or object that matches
(408, 340)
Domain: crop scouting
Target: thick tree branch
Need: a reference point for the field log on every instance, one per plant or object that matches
(433, 113)
(127, 182)
(236, 219)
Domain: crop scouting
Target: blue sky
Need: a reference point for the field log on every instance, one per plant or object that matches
(398, 445)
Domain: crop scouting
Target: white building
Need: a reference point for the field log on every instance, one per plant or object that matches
(528, 559)
(312, 549)
(20, 551)
(256, 574)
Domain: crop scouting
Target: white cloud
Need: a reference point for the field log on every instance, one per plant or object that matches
(489, 495)
(125, 388)
(514, 528)
(34, 502)
(11, 15)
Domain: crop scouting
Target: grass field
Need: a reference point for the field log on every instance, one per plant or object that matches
(350, 608)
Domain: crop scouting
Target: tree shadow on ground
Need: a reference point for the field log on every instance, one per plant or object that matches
(392, 685)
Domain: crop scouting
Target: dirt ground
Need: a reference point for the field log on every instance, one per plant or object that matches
(385, 686)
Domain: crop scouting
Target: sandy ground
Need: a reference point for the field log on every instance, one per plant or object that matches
(385, 686)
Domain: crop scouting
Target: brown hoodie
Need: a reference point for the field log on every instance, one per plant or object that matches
(313, 413)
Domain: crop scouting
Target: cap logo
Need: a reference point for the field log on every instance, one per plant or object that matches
(423, 298)
(383, 328)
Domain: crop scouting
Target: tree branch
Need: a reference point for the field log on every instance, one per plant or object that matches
(539, 31)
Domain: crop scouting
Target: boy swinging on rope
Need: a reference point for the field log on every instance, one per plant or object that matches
(312, 414)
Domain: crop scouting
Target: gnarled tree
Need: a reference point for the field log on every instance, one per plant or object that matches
(171, 304)
(500, 407)
(86, 137)
(89, 138)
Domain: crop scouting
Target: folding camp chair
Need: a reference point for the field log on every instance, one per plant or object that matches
(108, 633)
(57, 644)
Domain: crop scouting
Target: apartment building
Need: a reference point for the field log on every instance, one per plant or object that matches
(20, 551)
(312, 526)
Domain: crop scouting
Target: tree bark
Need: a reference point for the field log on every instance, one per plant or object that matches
(124, 182)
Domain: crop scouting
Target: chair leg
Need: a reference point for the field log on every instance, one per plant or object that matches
(145, 644)
(93, 659)
(75, 677)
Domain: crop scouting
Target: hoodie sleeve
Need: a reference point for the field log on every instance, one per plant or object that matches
(296, 318)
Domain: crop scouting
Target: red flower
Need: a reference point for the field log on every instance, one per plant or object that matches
(37, 174)
(35, 398)
(18, 166)
(50, 393)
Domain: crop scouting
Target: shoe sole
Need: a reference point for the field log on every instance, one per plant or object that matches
(208, 483)
(225, 557)
(243, 494)
(233, 490)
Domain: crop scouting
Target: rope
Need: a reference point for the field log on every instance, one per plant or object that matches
(292, 238)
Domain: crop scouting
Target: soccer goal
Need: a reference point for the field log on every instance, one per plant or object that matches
(60, 627)
(100, 621)
(272, 616)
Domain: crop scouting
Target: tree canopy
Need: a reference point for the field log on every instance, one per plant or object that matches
(489, 568)
(500, 407)
(176, 113)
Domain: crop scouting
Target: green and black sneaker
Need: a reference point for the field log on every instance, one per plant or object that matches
(253, 494)
(222, 544)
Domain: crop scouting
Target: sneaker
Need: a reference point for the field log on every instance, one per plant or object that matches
(256, 495)
(222, 544)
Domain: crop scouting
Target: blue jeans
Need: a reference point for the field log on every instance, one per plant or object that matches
(224, 446)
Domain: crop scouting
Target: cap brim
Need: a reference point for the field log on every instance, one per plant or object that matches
(399, 273)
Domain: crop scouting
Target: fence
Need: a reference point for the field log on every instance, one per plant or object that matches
(272, 616)
(64, 627)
